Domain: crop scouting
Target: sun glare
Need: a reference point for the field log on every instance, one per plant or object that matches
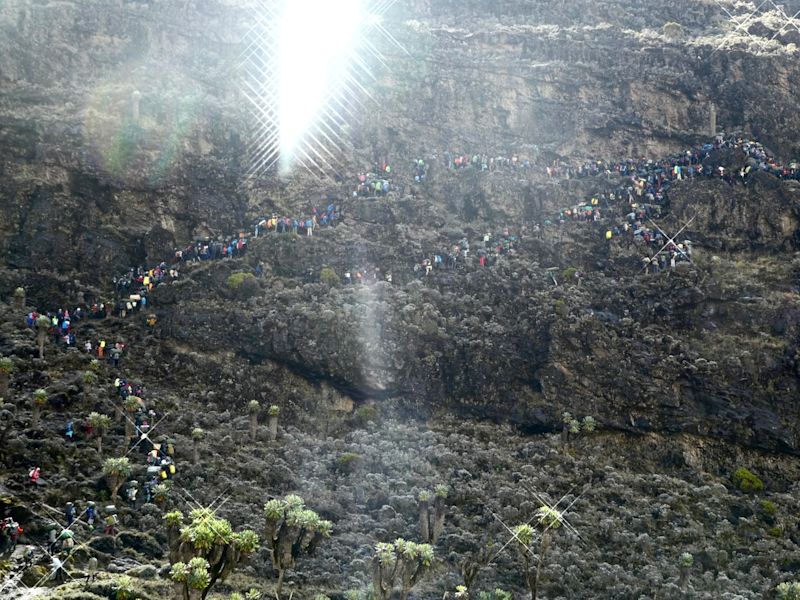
(318, 39)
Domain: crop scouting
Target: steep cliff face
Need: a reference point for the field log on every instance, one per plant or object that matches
(89, 182)
(591, 79)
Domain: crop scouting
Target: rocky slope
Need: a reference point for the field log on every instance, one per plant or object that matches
(460, 377)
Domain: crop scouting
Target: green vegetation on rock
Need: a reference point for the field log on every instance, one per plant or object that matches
(747, 481)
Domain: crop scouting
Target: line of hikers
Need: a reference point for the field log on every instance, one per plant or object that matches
(679, 166)
(484, 161)
(327, 216)
(688, 164)
(202, 250)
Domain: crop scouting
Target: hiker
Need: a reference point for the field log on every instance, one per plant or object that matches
(9, 530)
(91, 515)
(28, 559)
(167, 468)
(70, 513)
(91, 569)
(52, 537)
(148, 490)
(67, 539)
(110, 523)
(133, 490)
(69, 430)
(34, 475)
(58, 573)
(115, 354)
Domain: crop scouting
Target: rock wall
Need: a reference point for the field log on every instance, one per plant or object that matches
(85, 186)
(124, 133)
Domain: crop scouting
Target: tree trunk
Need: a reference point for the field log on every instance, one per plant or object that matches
(528, 578)
(99, 444)
(35, 414)
(181, 591)
(114, 483)
(4, 385)
(424, 526)
(280, 584)
(128, 430)
(253, 426)
(41, 338)
(196, 453)
(439, 510)
(542, 551)
(19, 301)
(377, 580)
(273, 428)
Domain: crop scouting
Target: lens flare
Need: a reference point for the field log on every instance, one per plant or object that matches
(307, 67)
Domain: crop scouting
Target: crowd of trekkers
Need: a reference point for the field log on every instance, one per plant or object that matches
(490, 247)
(377, 182)
(63, 530)
(304, 224)
(684, 165)
(483, 161)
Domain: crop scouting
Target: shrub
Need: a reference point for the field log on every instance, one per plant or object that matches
(274, 410)
(124, 588)
(161, 492)
(568, 275)
(788, 590)
(329, 277)
(40, 397)
(498, 594)
(747, 481)
(251, 594)
(776, 531)
(672, 30)
(589, 424)
(347, 461)
(237, 280)
(685, 560)
(366, 413)
(769, 507)
(6, 365)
